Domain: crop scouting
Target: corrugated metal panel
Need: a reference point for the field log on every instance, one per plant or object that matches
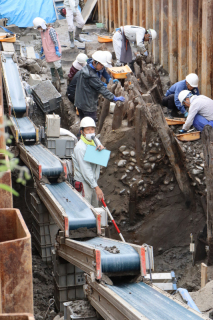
(26, 127)
(127, 260)
(151, 303)
(14, 84)
(78, 212)
(51, 166)
(184, 27)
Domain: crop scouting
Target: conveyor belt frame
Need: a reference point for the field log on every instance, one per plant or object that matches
(34, 163)
(57, 211)
(15, 129)
(9, 102)
(88, 259)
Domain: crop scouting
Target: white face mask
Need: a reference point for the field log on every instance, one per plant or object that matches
(89, 136)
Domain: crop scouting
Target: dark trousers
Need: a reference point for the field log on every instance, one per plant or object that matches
(169, 102)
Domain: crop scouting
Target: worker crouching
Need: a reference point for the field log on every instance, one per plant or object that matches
(200, 110)
(86, 174)
(51, 48)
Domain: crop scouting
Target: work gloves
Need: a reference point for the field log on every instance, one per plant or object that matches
(186, 114)
(42, 51)
(182, 131)
(42, 57)
(122, 99)
(114, 81)
(145, 53)
(57, 51)
(105, 85)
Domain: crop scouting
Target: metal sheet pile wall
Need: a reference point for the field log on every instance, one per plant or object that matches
(184, 28)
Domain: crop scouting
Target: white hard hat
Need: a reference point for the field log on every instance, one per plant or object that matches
(108, 59)
(82, 58)
(182, 95)
(192, 79)
(153, 33)
(100, 57)
(87, 122)
(39, 22)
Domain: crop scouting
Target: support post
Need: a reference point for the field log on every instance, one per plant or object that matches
(156, 27)
(203, 275)
(207, 139)
(172, 40)
(193, 37)
(164, 34)
(182, 39)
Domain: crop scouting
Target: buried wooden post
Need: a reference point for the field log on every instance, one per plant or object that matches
(203, 275)
(173, 151)
(207, 139)
(138, 132)
(117, 116)
(133, 202)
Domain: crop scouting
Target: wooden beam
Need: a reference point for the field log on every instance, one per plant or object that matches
(203, 275)
(119, 13)
(156, 27)
(124, 12)
(149, 16)
(164, 34)
(128, 8)
(142, 13)
(99, 10)
(172, 41)
(182, 39)
(110, 14)
(193, 37)
(106, 11)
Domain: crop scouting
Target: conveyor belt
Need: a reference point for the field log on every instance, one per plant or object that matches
(51, 166)
(79, 214)
(14, 85)
(127, 260)
(25, 127)
(151, 303)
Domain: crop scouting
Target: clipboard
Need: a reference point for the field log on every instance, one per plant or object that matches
(97, 157)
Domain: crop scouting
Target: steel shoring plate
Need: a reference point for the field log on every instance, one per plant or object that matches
(14, 84)
(151, 303)
(79, 214)
(126, 260)
(26, 127)
(51, 166)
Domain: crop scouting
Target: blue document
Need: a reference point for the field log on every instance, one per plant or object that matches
(98, 157)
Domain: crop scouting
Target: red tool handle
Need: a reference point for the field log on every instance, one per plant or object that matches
(115, 225)
(104, 204)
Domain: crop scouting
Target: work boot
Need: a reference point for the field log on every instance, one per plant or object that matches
(71, 34)
(61, 75)
(54, 76)
(77, 34)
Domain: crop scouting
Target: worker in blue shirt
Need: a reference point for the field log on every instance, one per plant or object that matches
(171, 100)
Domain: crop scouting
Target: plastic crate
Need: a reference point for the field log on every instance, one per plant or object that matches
(40, 212)
(64, 294)
(44, 251)
(72, 279)
(62, 147)
(45, 234)
(38, 217)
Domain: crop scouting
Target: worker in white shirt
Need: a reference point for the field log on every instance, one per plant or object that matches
(72, 13)
(128, 42)
(86, 174)
(200, 110)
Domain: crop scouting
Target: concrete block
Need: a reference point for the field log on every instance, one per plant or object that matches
(30, 53)
(34, 79)
(8, 46)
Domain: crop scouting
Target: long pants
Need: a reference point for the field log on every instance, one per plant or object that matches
(90, 195)
(54, 65)
(77, 18)
(169, 102)
(200, 122)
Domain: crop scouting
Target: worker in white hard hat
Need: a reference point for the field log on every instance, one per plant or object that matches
(89, 86)
(200, 110)
(51, 49)
(78, 64)
(128, 42)
(171, 100)
(86, 174)
(73, 14)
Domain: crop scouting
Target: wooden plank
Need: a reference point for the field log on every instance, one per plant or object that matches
(182, 39)
(124, 12)
(134, 20)
(149, 16)
(156, 27)
(110, 15)
(207, 19)
(128, 8)
(204, 279)
(106, 14)
(119, 13)
(89, 5)
(172, 40)
(99, 10)
(193, 36)
(164, 34)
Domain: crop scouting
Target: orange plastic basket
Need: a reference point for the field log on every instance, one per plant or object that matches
(120, 72)
(175, 121)
(102, 39)
(191, 136)
(10, 39)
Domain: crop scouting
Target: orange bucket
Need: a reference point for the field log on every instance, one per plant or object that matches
(103, 39)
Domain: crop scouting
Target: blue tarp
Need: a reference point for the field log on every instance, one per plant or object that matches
(22, 12)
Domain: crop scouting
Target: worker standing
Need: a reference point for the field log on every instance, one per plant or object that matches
(86, 174)
(73, 14)
(89, 86)
(78, 64)
(51, 48)
(171, 100)
(200, 110)
(128, 42)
